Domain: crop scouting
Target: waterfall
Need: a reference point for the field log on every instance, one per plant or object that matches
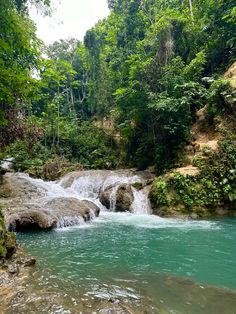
(85, 184)
(113, 198)
(141, 204)
(90, 184)
(75, 198)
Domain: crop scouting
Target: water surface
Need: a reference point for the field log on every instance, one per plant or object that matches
(152, 264)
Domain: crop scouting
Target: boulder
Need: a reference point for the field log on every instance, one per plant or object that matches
(124, 198)
(23, 220)
(13, 269)
(68, 207)
(93, 207)
(57, 212)
(105, 197)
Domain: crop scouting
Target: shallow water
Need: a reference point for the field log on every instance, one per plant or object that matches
(154, 265)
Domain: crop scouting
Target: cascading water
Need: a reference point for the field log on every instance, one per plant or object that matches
(113, 198)
(89, 185)
(141, 204)
(76, 197)
(85, 184)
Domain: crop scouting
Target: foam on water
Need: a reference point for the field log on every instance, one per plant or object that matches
(154, 222)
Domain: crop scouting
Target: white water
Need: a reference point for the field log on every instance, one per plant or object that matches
(141, 204)
(113, 198)
(7, 164)
(153, 222)
(87, 185)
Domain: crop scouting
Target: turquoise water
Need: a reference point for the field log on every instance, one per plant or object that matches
(153, 264)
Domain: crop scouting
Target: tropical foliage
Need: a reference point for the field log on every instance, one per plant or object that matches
(144, 67)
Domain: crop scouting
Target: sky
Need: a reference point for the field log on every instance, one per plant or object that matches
(70, 18)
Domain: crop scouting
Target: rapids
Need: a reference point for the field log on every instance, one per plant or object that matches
(73, 200)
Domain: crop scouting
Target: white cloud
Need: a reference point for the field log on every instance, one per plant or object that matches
(71, 18)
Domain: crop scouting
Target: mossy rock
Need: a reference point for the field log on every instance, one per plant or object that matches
(3, 251)
(6, 190)
(137, 185)
(7, 240)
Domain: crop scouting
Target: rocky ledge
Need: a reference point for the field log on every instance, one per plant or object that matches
(26, 206)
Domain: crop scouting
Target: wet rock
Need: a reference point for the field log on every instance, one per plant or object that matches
(115, 310)
(2, 171)
(16, 187)
(58, 212)
(72, 207)
(92, 207)
(105, 197)
(194, 216)
(29, 262)
(30, 219)
(114, 300)
(13, 269)
(124, 198)
(121, 196)
(138, 185)
(29, 204)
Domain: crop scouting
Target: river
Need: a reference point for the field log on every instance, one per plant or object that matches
(143, 262)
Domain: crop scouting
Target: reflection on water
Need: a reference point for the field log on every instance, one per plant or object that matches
(122, 263)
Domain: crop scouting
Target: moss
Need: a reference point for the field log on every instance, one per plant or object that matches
(138, 185)
(10, 243)
(3, 251)
(7, 240)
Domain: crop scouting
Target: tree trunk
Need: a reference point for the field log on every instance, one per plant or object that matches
(191, 7)
(58, 117)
